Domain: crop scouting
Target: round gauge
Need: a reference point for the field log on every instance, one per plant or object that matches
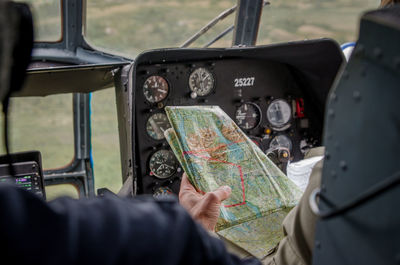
(280, 141)
(201, 81)
(163, 164)
(279, 113)
(162, 191)
(155, 88)
(156, 125)
(248, 116)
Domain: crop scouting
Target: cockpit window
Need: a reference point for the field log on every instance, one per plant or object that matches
(47, 17)
(45, 124)
(285, 20)
(130, 27)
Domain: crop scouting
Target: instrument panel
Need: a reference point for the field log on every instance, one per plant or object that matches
(266, 99)
(261, 97)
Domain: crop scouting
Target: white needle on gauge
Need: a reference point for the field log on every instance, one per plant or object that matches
(160, 167)
(169, 166)
(155, 127)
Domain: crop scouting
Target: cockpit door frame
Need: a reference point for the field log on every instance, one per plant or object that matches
(72, 50)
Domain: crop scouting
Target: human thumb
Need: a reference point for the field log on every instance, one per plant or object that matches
(223, 193)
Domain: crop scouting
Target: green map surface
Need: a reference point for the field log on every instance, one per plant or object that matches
(213, 152)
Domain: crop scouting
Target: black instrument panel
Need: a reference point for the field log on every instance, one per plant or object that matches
(266, 98)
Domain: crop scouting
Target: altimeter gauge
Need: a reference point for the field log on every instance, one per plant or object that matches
(163, 164)
(156, 125)
(248, 116)
(155, 88)
(201, 82)
(279, 113)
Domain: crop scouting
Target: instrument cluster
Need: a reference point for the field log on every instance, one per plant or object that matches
(262, 97)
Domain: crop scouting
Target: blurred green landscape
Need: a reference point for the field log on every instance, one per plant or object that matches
(129, 27)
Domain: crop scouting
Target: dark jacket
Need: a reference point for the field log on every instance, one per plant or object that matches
(103, 231)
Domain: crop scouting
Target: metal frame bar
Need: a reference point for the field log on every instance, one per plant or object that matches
(247, 22)
(73, 49)
(80, 171)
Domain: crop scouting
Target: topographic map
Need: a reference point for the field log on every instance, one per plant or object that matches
(213, 152)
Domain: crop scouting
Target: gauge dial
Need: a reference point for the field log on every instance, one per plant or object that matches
(248, 116)
(280, 141)
(156, 125)
(201, 81)
(163, 164)
(279, 113)
(155, 88)
(162, 191)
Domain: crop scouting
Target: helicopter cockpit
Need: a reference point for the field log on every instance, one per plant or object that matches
(272, 93)
(270, 67)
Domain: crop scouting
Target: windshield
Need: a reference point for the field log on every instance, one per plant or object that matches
(47, 18)
(288, 20)
(130, 27)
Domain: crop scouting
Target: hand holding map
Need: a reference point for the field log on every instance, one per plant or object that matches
(204, 208)
(214, 152)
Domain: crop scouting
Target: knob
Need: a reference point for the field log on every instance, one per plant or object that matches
(193, 95)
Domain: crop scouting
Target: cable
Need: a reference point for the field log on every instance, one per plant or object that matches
(221, 35)
(371, 193)
(209, 25)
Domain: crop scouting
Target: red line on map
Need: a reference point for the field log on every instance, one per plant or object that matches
(211, 149)
(225, 162)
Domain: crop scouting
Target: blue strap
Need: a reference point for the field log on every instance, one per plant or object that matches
(347, 45)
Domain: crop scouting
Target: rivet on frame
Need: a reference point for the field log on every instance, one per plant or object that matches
(333, 97)
(359, 50)
(327, 155)
(343, 165)
(331, 113)
(356, 95)
(317, 244)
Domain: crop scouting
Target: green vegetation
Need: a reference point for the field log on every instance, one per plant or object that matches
(131, 26)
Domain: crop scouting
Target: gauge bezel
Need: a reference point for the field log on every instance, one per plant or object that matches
(154, 174)
(285, 135)
(287, 124)
(259, 111)
(168, 84)
(146, 121)
(212, 76)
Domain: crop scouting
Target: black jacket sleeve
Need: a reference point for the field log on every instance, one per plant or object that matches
(103, 231)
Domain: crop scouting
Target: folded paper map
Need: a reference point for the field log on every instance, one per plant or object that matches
(214, 152)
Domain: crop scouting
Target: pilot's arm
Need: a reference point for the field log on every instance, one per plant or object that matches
(103, 231)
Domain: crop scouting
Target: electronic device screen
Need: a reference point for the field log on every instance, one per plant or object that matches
(26, 173)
